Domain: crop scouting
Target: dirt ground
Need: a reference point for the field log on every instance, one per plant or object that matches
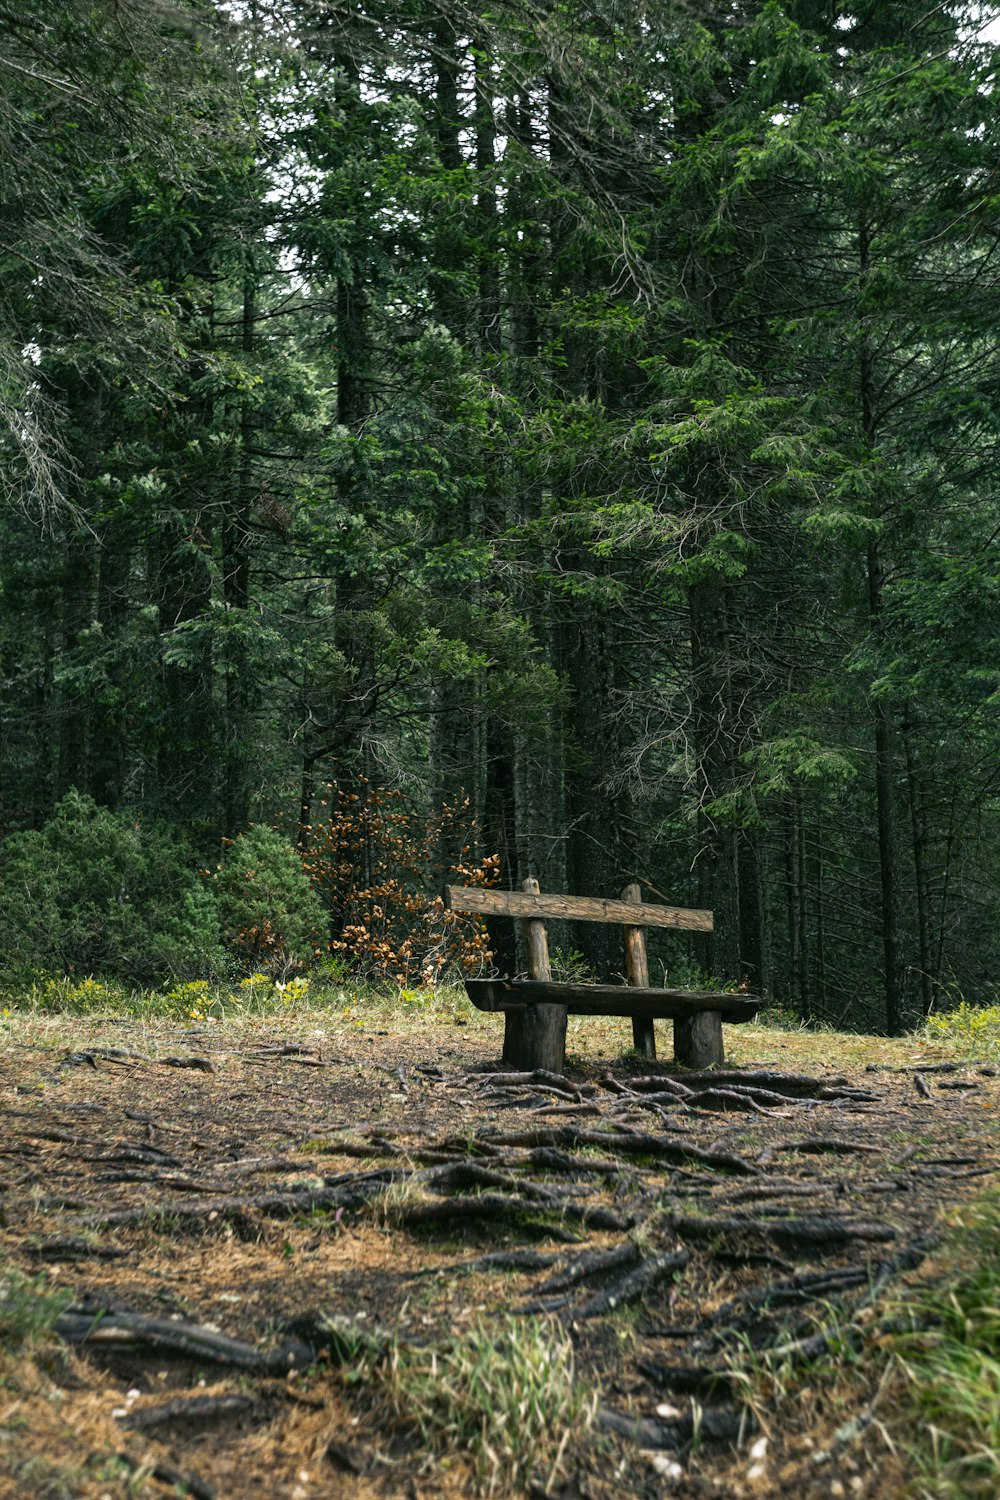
(258, 1180)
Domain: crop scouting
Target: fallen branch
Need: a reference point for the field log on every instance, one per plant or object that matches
(180, 1483)
(351, 1194)
(789, 1085)
(502, 1206)
(689, 1380)
(819, 1143)
(71, 1247)
(733, 1098)
(499, 1260)
(592, 1263)
(556, 1081)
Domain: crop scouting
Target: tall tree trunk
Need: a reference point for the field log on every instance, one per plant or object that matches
(881, 710)
(820, 967)
(452, 717)
(802, 915)
(185, 760)
(596, 859)
(918, 835)
(353, 351)
(712, 725)
(109, 751)
(754, 948)
(793, 982)
(236, 530)
(487, 219)
(79, 596)
(449, 251)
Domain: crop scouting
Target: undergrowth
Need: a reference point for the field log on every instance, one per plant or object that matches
(949, 1365)
(204, 1000)
(28, 1307)
(506, 1393)
(923, 1372)
(972, 1030)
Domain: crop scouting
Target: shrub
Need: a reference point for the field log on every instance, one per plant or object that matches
(94, 892)
(379, 866)
(971, 1029)
(28, 1308)
(271, 918)
(951, 1362)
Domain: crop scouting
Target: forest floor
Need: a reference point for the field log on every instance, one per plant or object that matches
(279, 1243)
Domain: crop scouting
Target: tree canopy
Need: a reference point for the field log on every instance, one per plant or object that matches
(583, 417)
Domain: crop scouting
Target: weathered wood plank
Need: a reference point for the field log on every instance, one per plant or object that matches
(505, 995)
(535, 1036)
(637, 975)
(526, 904)
(698, 1040)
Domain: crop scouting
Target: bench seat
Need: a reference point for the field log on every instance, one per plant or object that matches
(502, 995)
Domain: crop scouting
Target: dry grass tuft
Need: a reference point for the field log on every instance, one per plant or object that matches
(506, 1393)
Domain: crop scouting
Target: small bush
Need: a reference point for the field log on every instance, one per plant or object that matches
(271, 918)
(974, 1030)
(27, 1307)
(76, 996)
(569, 966)
(94, 892)
(378, 866)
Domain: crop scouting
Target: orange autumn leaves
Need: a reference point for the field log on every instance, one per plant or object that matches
(379, 867)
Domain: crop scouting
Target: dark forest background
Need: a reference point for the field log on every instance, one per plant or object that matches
(574, 427)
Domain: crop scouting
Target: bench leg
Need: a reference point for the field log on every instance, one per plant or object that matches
(698, 1040)
(643, 1036)
(535, 1037)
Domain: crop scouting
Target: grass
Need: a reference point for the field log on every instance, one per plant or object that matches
(203, 1000)
(388, 1208)
(54, 1014)
(28, 1308)
(948, 1367)
(921, 1368)
(506, 1393)
(342, 1006)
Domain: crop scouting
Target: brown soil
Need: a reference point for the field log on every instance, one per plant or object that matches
(250, 1172)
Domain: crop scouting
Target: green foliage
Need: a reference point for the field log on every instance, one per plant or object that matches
(95, 892)
(28, 1308)
(595, 421)
(952, 1363)
(270, 916)
(570, 966)
(973, 1030)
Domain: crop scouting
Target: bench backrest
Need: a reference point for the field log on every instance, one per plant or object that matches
(526, 905)
(540, 1041)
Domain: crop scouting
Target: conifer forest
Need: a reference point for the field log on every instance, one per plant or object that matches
(546, 440)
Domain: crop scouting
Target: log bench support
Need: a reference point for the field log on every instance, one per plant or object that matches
(535, 1010)
(535, 1035)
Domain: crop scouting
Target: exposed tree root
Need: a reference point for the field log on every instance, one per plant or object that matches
(117, 1331)
(720, 1425)
(192, 1411)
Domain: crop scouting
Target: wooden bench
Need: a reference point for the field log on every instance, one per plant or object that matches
(535, 1009)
